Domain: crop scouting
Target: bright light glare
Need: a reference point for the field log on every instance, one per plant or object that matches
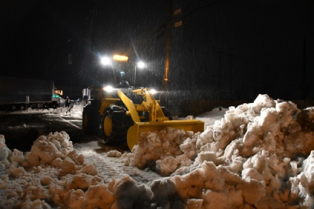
(121, 58)
(152, 91)
(105, 61)
(141, 65)
(108, 89)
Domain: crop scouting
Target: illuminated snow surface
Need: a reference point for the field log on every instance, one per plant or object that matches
(256, 155)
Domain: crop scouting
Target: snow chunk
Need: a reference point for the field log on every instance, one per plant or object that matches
(253, 190)
(46, 149)
(114, 153)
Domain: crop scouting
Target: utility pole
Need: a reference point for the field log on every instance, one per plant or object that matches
(168, 40)
(304, 90)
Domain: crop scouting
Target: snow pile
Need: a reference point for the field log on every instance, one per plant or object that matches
(210, 117)
(54, 175)
(253, 157)
(52, 172)
(75, 110)
(258, 156)
(163, 146)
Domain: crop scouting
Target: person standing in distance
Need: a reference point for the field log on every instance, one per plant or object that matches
(67, 102)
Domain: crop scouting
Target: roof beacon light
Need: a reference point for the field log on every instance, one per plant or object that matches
(120, 58)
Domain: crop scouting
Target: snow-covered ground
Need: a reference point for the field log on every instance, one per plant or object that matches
(256, 155)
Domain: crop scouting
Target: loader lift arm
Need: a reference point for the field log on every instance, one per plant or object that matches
(150, 105)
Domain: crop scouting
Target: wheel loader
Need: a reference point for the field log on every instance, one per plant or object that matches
(119, 115)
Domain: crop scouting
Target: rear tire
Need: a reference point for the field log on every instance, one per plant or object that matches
(54, 105)
(45, 106)
(90, 120)
(114, 125)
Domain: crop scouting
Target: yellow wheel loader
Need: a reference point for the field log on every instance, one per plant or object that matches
(119, 117)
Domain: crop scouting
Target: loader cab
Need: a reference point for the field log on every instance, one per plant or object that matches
(105, 91)
(124, 84)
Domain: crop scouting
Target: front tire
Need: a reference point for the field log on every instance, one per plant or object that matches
(54, 105)
(114, 125)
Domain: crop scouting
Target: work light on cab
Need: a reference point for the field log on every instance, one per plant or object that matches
(108, 89)
(152, 91)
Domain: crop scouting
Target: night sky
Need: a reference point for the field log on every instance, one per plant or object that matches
(225, 49)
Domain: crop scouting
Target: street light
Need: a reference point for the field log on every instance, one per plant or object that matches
(140, 65)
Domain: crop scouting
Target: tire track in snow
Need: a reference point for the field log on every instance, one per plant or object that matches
(114, 167)
(72, 124)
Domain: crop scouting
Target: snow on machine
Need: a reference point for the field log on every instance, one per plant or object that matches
(120, 115)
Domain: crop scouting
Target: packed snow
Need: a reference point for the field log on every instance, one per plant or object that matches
(257, 155)
(75, 110)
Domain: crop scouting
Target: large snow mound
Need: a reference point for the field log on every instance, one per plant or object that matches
(259, 155)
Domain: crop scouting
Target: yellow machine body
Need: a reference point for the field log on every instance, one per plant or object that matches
(146, 116)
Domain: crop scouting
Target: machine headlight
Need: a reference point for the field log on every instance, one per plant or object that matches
(108, 89)
(152, 91)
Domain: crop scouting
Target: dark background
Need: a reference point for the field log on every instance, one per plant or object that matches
(225, 49)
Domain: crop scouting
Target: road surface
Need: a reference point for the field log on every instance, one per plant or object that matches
(22, 129)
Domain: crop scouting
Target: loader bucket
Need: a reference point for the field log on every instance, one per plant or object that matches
(138, 127)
